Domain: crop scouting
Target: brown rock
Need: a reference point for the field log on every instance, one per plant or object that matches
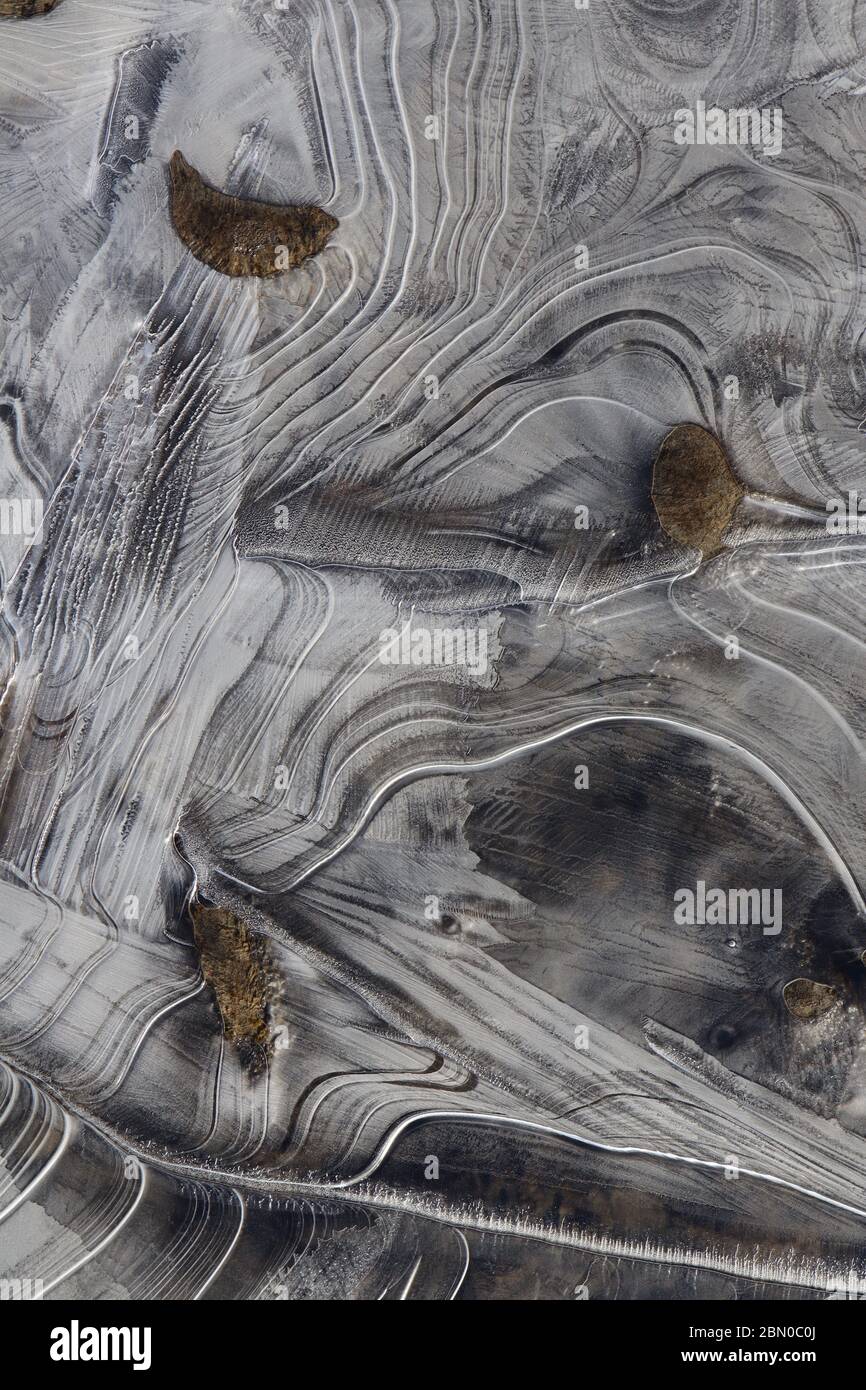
(694, 489)
(25, 9)
(808, 1000)
(235, 963)
(237, 235)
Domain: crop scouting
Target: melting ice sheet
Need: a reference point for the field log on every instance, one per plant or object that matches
(422, 874)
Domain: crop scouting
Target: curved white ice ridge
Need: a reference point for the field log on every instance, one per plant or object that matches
(438, 769)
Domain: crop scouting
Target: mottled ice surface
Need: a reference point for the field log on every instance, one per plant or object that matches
(501, 1068)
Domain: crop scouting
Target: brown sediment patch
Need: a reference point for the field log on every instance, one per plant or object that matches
(239, 236)
(694, 489)
(236, 964)
(807, 999)
(25, 9)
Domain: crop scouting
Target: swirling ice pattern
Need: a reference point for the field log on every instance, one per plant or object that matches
(195, 706)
